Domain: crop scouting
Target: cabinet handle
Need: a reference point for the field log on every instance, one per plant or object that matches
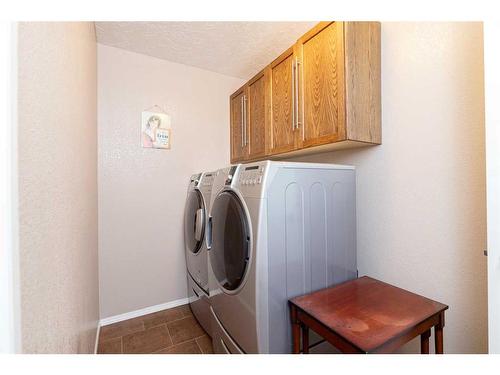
(241, 123)
(297, 119)
(245, 119)
(293, 94)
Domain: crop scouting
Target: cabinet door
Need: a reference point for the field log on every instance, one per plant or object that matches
(321, 56)
(238, 142)
(257, 117)
(281, 128)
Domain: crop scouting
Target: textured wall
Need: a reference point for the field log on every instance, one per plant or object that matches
(58, 187)
(142, 191)
(421, 194)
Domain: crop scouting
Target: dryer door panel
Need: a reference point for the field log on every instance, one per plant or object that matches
(194, 221)
(230, 251)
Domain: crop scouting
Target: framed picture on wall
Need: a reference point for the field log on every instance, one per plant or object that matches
(155, 130)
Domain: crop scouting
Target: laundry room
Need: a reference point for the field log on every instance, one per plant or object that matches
(250, 187)
(399, 238)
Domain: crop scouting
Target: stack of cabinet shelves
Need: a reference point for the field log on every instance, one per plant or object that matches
(321, 94)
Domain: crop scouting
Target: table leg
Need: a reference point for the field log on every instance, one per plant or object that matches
(295, 330)
(424, 342)
(438, 334)
(305, 339)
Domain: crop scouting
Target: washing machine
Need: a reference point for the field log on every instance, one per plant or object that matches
(195, 239)
(278, 230)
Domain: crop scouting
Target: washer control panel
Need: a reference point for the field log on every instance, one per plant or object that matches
(251, 176)
(195, 179)
(207, 179)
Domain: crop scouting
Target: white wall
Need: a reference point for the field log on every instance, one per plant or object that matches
(421, 201)
(9, 249)
(142, 191)
(57, 132)
(492, 76)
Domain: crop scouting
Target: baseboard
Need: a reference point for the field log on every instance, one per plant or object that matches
(147, 310)
(97, 337)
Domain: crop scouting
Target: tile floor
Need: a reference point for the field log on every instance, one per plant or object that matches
(172, 331)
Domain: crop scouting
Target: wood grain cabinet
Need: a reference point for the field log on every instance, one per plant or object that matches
(281, 131)
(239, 149)
(249, 120)
(320, 62)
(257, 119)
(321, 94)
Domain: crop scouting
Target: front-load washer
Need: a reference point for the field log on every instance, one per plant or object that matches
(278, 230)
(195, 239)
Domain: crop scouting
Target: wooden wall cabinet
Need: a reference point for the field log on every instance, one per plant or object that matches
(281, 132)
(320, 54)
(239, 149)
(321, 94)
(249, 116)
(257, 117)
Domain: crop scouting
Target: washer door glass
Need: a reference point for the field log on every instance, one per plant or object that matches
(194, 221)
(229, 254)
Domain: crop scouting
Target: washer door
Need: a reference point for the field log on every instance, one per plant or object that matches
(230, 252)
(194, 221)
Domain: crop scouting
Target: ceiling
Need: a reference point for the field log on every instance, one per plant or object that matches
(238, 49)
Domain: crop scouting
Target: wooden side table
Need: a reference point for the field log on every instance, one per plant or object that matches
(366, 316)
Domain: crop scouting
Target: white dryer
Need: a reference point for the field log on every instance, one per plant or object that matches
(278, 230)
(195, 239)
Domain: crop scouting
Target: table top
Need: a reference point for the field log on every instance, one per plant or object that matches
(367, 312)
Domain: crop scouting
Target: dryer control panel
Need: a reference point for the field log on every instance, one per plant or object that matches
(252, 175)
(207, 179)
